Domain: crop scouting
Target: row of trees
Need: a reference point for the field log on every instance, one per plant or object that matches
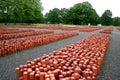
(81, 14)
(106, 19)
(20, 11)
(30, 11)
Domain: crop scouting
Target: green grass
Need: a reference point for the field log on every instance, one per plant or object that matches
(17, 24)
(26, 24)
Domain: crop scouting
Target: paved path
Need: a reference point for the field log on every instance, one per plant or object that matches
(110, 69)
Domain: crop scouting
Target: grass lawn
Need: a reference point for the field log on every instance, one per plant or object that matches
(26, 24)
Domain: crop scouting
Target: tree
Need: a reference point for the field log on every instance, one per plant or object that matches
(4, 8)
(53, 16)
(63, 15)
(21, 11)
(106, 18)
(80, 13)
(57, 15)
(116, 21)
(33, 11)
(83, 13)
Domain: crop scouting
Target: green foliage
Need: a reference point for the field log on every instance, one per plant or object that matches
(53, 16)
(56, 16)
(106, 18)
(80, 13)
(116, 21)
(30, 11)
(83, 13)
(22, 11)
(64, 15)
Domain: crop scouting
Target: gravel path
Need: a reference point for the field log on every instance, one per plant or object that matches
(10, 62)
(110, 69)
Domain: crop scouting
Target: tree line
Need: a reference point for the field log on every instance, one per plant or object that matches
(30, 11)
(20, 11)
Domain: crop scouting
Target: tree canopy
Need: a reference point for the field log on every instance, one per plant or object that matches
(80, 13)
(106, 18)
(116, 21)
(53, 16)
(57, 16)
(83, 13)
(30, 11)
(22, 11)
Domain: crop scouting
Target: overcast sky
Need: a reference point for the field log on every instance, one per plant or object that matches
(99, 5)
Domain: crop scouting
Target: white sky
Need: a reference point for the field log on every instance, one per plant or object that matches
(99, 5)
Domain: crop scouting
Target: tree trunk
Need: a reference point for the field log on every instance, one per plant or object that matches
(6, 19)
